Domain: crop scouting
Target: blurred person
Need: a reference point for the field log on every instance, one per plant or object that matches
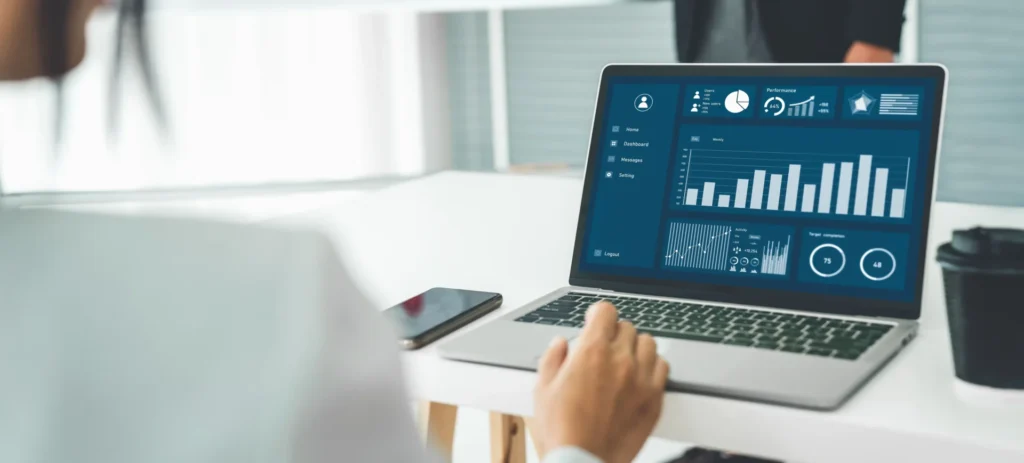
(141, 361)
(784, 31)
(788, 31)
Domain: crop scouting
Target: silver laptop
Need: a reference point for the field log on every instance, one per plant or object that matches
(766, 224)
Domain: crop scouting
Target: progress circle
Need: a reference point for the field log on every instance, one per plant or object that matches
(828, 246)
(887, 275)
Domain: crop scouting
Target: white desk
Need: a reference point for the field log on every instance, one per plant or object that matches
(514, 235)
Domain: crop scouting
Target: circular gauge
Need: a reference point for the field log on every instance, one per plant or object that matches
(827, 260)
(775, 106)
(734, 260)
(878, 264)
(755, 262)
(744, 261)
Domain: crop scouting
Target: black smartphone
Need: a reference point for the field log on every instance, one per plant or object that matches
(436, 313)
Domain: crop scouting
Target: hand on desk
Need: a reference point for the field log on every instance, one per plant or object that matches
(606, 397)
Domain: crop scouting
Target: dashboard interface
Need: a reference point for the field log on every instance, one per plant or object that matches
(816, 185)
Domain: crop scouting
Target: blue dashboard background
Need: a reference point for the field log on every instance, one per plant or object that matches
(635, 197)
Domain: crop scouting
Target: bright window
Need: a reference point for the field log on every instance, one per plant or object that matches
(254, 96)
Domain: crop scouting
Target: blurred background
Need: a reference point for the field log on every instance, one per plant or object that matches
(275, 106)
(352, 94)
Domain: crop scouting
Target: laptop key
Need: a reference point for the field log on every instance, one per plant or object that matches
(685, 336)
(566, 323)
(774, 338)
(791, 333)
(793, 348)
(740, 342)
(766, 345)
(824, 345)
(630, 316)
(558, 315)
(847, 355)
(547, 321)
(820, 352)
(559, 305)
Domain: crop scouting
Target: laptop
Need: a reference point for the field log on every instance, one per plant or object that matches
(767, 224)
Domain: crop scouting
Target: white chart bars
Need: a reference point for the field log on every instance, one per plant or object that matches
(870, 198)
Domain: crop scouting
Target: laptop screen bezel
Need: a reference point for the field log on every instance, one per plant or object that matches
(795, 300)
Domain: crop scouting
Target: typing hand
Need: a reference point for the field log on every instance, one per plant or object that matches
(606, 396)
(863, 52)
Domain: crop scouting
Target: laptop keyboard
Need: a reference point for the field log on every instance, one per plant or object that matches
(799, 334)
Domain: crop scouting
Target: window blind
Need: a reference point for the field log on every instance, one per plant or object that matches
(983, 145)
(469, 91)
(554, 61)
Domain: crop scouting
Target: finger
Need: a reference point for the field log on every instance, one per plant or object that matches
(625, 338)
(661, 370)
(601, 322)
(646, 355)
(552, 360)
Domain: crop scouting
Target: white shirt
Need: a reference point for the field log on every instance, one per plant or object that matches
(167, 341)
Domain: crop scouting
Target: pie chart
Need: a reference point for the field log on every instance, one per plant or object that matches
(737, 101)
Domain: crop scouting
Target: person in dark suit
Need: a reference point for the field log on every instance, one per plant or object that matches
(788, 31)
(784, 31)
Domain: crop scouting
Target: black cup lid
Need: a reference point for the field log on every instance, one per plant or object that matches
(986, 249)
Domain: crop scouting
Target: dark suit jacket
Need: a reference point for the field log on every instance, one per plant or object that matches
(802, 31)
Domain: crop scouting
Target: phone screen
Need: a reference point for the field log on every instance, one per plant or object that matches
(431, 309)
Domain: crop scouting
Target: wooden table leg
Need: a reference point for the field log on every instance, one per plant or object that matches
(508, 439)
(437, 426)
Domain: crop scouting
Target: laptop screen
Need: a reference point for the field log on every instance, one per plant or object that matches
(801, 184)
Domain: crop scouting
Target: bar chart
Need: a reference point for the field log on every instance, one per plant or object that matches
(728, 248)
(852, 185)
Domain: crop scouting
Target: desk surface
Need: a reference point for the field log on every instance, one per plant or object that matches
(514, 235)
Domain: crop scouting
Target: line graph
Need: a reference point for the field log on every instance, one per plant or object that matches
(698, 246)
(735, 248)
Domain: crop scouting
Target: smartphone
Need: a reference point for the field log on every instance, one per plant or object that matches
(438, 312)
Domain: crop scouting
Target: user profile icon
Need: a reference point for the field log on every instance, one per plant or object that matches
(643, 102)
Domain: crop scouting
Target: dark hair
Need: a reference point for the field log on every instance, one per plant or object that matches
(53, 42)
(53, 27)
(131, 23)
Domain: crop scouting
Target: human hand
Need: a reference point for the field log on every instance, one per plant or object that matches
(863, 52)
(606, 396)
